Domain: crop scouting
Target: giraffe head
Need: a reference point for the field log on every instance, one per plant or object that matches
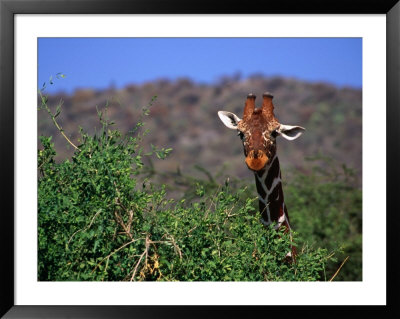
(258, 130)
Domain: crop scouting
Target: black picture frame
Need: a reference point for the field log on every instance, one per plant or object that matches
(8, 10)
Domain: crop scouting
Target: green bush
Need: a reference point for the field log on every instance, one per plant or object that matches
(98, 219)
(326, 210)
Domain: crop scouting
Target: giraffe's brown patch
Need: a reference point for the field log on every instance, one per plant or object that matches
(276, 193)
(275, 203)
(273, 173)
(260, 189)
(260, 173)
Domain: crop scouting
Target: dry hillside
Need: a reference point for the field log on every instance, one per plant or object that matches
(184, 117)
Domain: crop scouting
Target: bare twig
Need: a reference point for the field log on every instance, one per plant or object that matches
(330, 255)
(115, 251)
(53, 117)
(105, 269)
(86, 228)
(177, 249)
(122, 224)
(337, 271)
(190, 230)
(213, 200)
(126, 227)
(137, 265)
(145, 253)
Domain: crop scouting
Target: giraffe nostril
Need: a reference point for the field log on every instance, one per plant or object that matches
(257, 154)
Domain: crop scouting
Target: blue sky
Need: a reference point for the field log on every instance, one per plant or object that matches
(98, 62)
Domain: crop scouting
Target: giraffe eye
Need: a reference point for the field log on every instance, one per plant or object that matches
(241, 135)
(274, 133)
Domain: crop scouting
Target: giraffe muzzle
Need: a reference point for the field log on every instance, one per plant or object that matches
(256, 160)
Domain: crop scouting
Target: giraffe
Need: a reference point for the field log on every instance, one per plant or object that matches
(258, 131)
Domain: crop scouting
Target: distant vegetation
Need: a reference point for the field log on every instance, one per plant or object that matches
(184, 117)
(117, 207)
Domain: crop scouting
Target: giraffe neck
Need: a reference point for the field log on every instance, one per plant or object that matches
(270, 195)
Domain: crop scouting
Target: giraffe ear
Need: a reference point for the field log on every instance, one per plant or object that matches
(290, 132)
(229, 119)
